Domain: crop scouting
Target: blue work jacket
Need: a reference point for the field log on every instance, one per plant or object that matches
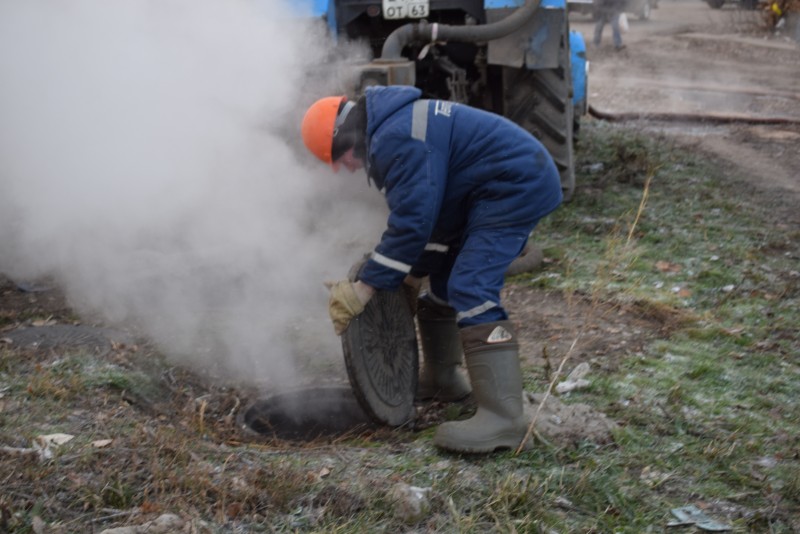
(447, 169)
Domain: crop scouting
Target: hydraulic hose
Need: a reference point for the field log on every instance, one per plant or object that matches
(425, 32)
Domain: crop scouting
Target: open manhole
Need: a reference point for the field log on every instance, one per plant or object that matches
(306, 414)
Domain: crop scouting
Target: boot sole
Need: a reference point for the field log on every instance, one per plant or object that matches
(503, 442)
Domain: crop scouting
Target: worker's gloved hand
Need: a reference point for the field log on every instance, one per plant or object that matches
(411, 286)
(347, 299)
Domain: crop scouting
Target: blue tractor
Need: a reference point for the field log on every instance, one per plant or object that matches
(515, 58)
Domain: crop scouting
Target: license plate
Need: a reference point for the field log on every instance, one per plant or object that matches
(406, 9)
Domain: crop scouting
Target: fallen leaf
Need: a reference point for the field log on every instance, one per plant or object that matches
(233, 510)
(581, 371)
(150, 507)
(316, 477)
(692, 515)
(100, 443)
(43, 444)
(667, 267)
(570, 385)
(53, 439)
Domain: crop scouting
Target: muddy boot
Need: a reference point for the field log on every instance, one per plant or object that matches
(492, 357)
(440, 377)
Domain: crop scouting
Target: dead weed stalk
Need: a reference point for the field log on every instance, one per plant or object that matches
(614, 261)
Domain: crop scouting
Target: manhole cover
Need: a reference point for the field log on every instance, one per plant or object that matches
(70, 337)
(307, 414)
(381, 356)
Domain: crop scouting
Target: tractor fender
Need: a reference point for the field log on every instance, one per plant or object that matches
(580, 71)
(536, 45)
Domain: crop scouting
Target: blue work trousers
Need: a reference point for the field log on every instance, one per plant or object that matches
(470, 277)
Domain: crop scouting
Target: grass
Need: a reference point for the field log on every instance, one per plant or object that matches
(707, 412)
(723, 391)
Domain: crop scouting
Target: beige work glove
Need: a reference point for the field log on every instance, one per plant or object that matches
(347, 299)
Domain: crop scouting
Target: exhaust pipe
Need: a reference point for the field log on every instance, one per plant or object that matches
(425, 32)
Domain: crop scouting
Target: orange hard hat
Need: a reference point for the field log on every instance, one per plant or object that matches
(319, 124)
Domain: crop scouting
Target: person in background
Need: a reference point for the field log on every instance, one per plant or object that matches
(465, 188)
(609, 11)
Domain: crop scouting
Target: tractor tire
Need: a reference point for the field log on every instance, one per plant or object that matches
(715, 4)
(541, 102)
(578, 111)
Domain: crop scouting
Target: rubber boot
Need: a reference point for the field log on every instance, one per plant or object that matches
(492, 357)
(440, 377)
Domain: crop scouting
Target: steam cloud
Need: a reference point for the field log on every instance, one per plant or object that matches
(149, 163)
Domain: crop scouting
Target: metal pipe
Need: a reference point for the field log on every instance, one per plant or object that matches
(423, 32)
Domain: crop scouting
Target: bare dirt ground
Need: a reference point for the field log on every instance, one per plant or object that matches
(689, 59)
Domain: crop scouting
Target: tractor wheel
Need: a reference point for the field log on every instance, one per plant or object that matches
(715, 4)
(541, 102)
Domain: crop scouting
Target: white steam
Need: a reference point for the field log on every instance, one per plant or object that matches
(149, 162)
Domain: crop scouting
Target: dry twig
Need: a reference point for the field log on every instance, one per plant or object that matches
(531, 431)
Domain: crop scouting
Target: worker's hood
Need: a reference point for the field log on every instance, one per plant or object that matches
(382, 102)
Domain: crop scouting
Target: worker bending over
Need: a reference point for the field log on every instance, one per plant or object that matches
(465, 188)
